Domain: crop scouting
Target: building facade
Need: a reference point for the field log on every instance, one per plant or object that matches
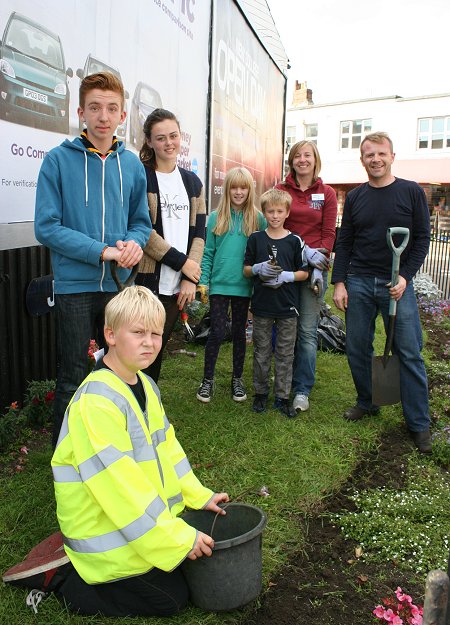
(419, 128)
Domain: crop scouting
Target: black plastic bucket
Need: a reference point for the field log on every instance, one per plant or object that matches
(232, 576)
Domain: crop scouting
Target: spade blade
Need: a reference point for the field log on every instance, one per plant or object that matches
(385, 380)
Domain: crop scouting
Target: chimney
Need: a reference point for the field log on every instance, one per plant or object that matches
(302, 95)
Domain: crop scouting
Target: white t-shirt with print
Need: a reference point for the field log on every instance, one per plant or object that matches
(175, 222)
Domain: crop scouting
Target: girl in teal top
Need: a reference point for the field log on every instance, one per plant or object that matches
(228, 230)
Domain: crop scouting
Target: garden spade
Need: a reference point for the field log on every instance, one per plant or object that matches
(128, 282)
(386, 368)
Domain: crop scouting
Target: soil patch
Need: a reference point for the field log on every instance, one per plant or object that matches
(319, 586)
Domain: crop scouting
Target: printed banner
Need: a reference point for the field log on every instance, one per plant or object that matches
(159, 48)
(247, 104)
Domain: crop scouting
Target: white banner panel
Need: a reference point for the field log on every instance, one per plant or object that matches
(159, 47)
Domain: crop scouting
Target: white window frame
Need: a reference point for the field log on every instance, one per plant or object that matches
(366, 127)
(431, 135)
(311, 138)
(290, 143)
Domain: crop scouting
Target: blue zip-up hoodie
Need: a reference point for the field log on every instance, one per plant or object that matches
(84, 202)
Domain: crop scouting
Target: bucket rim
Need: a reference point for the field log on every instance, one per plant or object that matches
(247, 536)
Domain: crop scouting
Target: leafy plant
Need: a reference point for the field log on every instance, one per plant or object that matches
(11, 423)
(441, 443)
(399, 610)
(409, 527)
(425, 287)
(38, 404)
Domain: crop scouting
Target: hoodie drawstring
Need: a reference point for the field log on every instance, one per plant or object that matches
(120, 176)
(86, 191)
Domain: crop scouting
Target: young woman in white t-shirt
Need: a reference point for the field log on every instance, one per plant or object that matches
(170, 266)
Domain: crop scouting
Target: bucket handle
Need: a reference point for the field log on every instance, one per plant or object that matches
(263, 489)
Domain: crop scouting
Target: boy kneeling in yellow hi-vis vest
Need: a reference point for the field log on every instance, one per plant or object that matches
(121, 480)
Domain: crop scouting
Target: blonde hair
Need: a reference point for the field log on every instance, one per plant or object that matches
(275, 197)
(377, 137)
(298, 146)
(135, 304)
(237, 177)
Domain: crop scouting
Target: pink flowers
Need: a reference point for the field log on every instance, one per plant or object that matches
(93, 347)
(399, 610)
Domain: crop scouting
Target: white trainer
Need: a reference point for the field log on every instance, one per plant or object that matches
(300, 402)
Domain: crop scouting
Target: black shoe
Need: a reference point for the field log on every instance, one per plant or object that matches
(238, 389)
(260, 403)
(285, 408)
(205, 390)
(355, 413)
(422, 440)
(277, 402)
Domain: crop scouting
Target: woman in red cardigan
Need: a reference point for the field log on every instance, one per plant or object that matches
(313, 217)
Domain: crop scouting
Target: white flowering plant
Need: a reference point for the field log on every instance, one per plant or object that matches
(410, 527)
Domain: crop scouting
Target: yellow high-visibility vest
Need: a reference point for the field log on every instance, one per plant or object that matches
(121, 478)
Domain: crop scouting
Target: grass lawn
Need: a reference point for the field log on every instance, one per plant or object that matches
(301, 461)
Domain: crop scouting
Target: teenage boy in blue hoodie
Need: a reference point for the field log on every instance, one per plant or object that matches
(91, 207)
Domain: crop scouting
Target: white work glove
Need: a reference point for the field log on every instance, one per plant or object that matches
(317, 281)
(266, 271)
(284, 276)
(316, 257)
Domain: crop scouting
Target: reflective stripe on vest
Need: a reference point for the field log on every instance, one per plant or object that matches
(122, 536)
(172, 501)
(141, 451)
(182, 468)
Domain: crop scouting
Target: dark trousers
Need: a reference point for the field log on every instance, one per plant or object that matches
(79, 318)
(155, 593)
(172, 314)
(284, 354)
(219, 318)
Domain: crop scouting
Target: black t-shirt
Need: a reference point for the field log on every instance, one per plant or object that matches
(361, 247)
(282, 302)
(137, 389)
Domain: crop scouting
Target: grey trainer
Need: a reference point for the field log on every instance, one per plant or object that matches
(301, 402)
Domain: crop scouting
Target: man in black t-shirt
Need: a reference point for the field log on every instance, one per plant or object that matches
(362, 273)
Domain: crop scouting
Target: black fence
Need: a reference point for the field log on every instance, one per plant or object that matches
(437, 263)
(27, 345)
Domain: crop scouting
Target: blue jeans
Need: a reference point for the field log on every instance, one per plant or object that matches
(366, 298)
(79, 318)
(306, 346)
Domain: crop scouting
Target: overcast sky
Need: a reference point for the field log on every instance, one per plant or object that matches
(347, 49)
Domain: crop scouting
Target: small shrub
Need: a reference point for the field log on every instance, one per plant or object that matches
(11, 424)
(38, 404)
(424, 286)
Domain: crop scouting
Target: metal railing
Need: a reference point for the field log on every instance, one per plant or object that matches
(437, 262)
